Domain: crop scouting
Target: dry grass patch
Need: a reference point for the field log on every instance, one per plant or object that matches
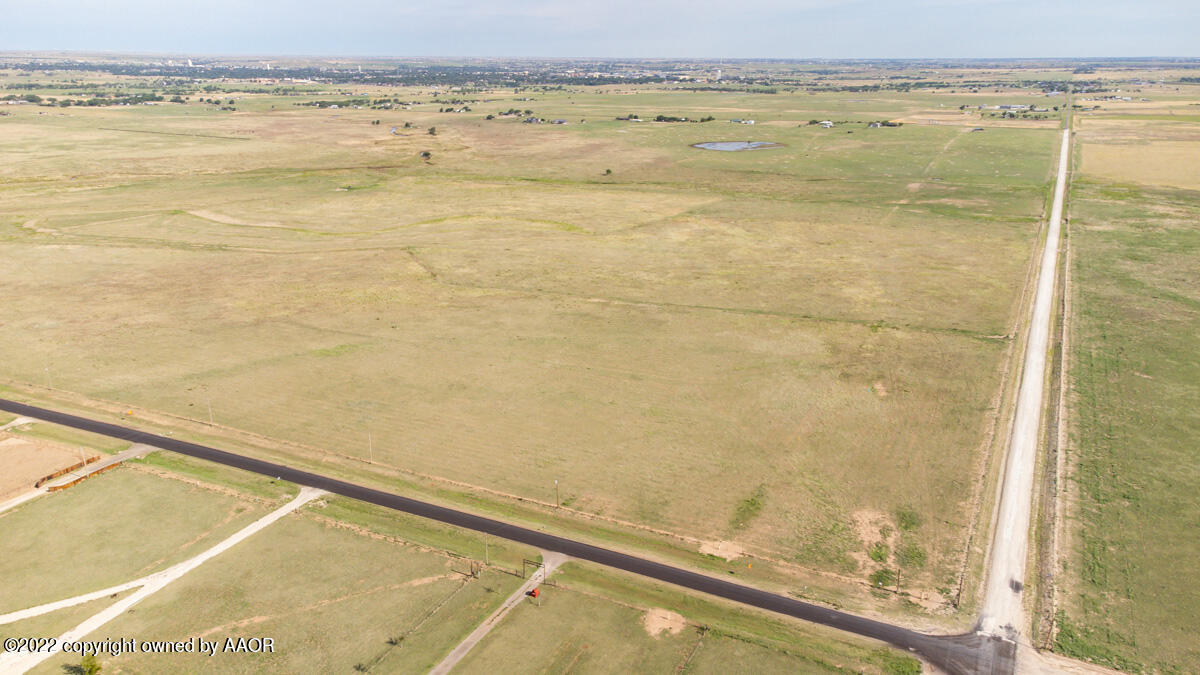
(658, 621)
(729, 346)
(1167, 163)
(332, 599)
(52, 545)
(26, 460)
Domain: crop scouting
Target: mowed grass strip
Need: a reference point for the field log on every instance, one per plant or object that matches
(1131, 600)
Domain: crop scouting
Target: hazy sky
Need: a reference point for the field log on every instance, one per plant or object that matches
(696, 28)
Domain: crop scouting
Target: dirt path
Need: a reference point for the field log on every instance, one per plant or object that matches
(550, 562)
(20, 662)
(1003, 612)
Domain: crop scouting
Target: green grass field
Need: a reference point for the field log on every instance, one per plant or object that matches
(1131, 600)
(820, 328)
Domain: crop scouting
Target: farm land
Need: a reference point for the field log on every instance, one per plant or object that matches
(1127, 599)
(790, 364)
(795, 357)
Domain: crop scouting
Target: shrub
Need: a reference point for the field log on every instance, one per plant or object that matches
(908, 519)
(883, 578)
(878, 552)
(911, 555)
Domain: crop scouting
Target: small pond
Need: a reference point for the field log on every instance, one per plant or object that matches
(734, 146)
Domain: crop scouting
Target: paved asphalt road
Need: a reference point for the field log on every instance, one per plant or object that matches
(962, 654)
(1002, 608)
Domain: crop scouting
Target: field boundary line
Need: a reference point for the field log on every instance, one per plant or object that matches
(749, 311)
(703, 630)
(367, 532)
(1061, 542)
(211, 487)
(175, 133)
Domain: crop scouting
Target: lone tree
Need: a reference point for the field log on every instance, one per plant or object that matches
(90, 665)
(433, 131)
(426, 155)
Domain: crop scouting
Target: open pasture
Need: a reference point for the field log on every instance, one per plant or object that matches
(767, 347)
(1129, 599)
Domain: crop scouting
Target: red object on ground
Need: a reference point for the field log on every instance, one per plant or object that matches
(534, 592)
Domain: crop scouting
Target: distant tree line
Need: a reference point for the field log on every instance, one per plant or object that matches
(99, 100)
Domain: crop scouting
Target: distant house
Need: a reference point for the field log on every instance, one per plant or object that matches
(736, 120)
(874, 125)
(827, 124)
(559, 122)
(977, 129)
(532, 120)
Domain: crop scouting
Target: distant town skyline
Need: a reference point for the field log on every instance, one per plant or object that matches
(614, 28)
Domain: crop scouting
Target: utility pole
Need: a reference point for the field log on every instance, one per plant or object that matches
(210, 415)
(371, 445)
(485, 550)
(557, 502)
